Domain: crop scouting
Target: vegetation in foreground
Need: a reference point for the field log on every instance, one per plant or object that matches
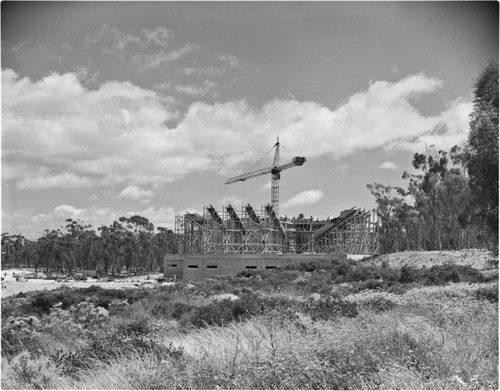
(346, 326)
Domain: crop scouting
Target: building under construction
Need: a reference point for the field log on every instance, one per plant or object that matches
(251, 231)
(230, 240)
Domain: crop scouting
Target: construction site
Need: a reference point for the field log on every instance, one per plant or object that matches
(230, 240)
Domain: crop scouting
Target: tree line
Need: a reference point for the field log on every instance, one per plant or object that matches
(451, 202)
(129, 243)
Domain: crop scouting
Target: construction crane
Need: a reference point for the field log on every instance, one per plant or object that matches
(275, 171)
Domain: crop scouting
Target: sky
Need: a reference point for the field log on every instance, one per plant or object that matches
(113, 109)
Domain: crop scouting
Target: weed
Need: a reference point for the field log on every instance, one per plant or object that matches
(25, 371)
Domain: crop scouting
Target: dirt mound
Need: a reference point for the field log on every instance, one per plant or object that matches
(478, 259)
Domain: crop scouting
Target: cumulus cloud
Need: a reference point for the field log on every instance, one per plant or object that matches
(32, 225)
(388, 166)
(306, 197)
(67, 211)
(58, 133)
(160, 217)
(132, 192)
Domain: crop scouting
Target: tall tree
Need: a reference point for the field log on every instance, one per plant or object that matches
(482, 148)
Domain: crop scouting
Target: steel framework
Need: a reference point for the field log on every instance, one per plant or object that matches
(353, 232)
(250, 231)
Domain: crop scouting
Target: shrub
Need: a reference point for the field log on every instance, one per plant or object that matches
(341, 268)
(489, 293)
(247, 273)
(408, 274)
(19, 334)
(374, 300)
(179, 309)
(372, 284)
(329, 308)
(35, 373)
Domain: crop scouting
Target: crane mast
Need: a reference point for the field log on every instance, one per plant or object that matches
(275, 171)
(275, 180)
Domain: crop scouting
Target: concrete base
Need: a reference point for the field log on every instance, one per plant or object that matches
(195, 266)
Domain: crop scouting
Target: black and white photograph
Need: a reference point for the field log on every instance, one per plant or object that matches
(249, 195)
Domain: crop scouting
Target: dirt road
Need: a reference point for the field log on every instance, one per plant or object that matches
(11, 287)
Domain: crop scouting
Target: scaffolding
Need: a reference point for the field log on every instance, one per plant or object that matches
(353, 232)
(251, 231)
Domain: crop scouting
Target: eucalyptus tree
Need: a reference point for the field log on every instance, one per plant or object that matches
(482, 149)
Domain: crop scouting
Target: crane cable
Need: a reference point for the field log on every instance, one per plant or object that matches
(287, 151)
(258, 161)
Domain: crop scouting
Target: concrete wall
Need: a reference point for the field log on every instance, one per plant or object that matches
(194, 266)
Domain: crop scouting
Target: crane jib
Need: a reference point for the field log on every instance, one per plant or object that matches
(275, 171)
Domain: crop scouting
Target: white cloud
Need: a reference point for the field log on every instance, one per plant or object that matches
(163, 86)
(58, 133)
(32, 225)
(61, 181)
(152, 61)
(306, 197)
(266, 186)
(229, 59)
(161, 217)
(207, 71)
(132, 192)
(388, 166)
(160, 36)
(113, 41)
(196, 90)
(67, 211)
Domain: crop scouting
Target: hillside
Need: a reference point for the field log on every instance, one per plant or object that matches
(478, 259)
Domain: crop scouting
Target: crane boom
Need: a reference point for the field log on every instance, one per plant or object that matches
(275, 171)
(264, 171)
(248, 175)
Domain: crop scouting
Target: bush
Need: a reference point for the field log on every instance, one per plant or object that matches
(106, 347)
(408, 274)
(179, 309)
(490, 294)
(19, 334)
(374, 300)
(329, 308)
(340, 268)
(33, 373)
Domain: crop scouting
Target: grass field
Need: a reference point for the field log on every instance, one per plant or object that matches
(351, 326)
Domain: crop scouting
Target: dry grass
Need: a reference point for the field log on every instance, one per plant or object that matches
(432, 338)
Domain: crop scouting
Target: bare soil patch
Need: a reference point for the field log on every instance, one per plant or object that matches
(11, 287)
